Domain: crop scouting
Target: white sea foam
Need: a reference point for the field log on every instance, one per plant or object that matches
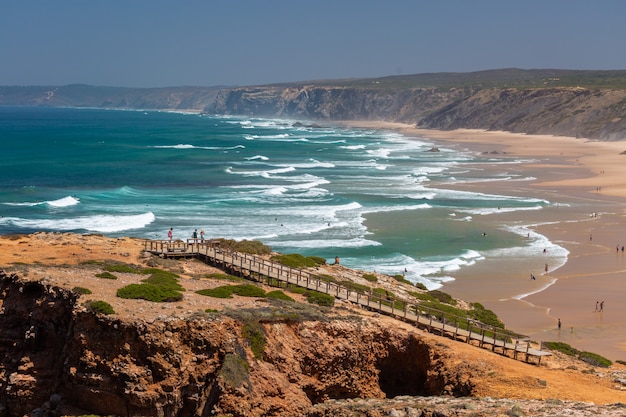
(188, 146)
(61, 202)
(255, 157)
(95, 223)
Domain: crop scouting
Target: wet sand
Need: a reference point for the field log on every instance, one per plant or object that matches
(585, 181)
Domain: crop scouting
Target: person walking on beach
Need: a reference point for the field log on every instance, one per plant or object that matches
(596, 306)
(532, 277)
(170, 233)
(601, 306)
(559, 324)
(546, 268)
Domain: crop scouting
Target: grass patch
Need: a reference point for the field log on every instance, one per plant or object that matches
(370, 277)
(295, 260)
(253, 333)
(279, 295)
(320, 299)
(106, 275)
(99, 307)
(123, 268)
(442, 297)
(594, 359)
(149, 292)
(162, 278)
(420, 286)
(253, 247)
(223, 277)
(402, 279)
(562, 347)
(235, 370)
(227, 291)
(81, 290)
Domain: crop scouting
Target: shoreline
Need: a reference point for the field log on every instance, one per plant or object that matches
(590, 177)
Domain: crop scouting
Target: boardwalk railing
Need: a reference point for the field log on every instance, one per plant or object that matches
(437, 321)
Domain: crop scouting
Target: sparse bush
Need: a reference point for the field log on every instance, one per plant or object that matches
(401, 278)
(295, 260)
(421, 286)
(247, 290)
(279, 295)
(370, 277)
(163, 279)
(81, 290)
(319, 298)
(219, 292)
(100, 307)
(442, 297)
(253, 332)
(123, 268)
(594, 359)
(485, 316)
(149, 292)
(106, 275)
(562, 347)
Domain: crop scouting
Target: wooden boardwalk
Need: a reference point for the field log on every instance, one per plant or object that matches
(255, 268)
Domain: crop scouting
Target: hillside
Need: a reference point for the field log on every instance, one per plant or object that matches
(245, 356)
(589, 104)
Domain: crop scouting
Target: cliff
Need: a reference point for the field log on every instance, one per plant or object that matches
(564, 111)
(590, 104)
(243, 356)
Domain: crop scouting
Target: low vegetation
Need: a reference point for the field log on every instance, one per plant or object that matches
(253, 247)
(588, 357)
(81, 290)
(99, 307)
(160, 286)
(295, 260)
(106, 275)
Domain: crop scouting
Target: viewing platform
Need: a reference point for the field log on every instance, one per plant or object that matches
(256, 268)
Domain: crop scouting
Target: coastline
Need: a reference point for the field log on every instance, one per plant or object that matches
(586, 181)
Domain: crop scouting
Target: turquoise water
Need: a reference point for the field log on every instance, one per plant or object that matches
(378, 200)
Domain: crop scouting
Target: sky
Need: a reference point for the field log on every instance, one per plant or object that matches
(158, 43)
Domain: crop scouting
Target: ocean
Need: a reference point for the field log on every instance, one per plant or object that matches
(378, 200)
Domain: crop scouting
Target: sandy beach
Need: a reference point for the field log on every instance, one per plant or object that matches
(585, 182)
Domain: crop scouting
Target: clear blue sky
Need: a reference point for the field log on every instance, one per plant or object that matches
(155, 43)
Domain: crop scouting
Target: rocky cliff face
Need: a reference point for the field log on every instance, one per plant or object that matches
(578, 112)
(58, 358)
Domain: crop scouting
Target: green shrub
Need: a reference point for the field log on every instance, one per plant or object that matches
(106, 275)
(219, 292)
(163, 279)
(319, 298)
(485, 316)
(421, 286)
(253, 332)
(248, 290)
(562, 347)
(296, 290)
(226, 291)
(401, 278)
(325, 278)
(123, 268)
(149, 292)
(278, 295)
(100, 307)
(442, 296)
(295, 260)
(81, 290)
(253, 247)
(594, 359)
(370, 277)
(221, 276)
(354, 286)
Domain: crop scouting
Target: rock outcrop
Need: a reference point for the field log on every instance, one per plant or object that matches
(58, 358)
